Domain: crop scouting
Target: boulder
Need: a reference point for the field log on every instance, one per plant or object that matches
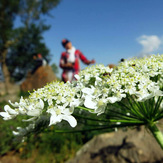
(42, 76)
(120, 147)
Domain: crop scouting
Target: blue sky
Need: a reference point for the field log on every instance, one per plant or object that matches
(106, 30)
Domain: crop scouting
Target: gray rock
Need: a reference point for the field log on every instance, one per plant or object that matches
(132, 146)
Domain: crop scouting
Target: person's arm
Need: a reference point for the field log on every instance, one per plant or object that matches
(84, 59)
(63, 64)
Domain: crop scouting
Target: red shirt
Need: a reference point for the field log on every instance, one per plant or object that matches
(76, 69)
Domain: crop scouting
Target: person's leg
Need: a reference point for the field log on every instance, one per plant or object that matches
(64, 77)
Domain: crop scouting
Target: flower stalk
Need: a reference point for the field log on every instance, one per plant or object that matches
(156, 133)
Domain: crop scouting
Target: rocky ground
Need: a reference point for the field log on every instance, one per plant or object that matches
(133, 146)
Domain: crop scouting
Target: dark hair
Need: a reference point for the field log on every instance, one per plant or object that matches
(122, 60)
(64, 42)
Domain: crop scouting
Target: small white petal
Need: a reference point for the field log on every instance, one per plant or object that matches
(34, 112)
(8, 109)
(30, 119)
(67, 112)
(112, 99)
(77, 77)
(89, 103)
(118, 123)
(54, 118)
(70, 119)
(15, 133)
(5, 115)
(41, 104)
(14, 105)
(88, 91)
(75, 103)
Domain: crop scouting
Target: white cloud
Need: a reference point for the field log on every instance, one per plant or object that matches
(150, 44)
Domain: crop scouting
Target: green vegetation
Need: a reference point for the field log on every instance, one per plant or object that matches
(46, 145)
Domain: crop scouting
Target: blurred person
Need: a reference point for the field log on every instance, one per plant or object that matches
(70, 61)
(38, 61)
(39, 57)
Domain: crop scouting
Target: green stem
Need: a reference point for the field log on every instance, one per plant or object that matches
(83, 108)
(157, 134)
(126, 121)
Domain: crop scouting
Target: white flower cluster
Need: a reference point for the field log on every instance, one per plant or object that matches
(134, 77)
(56, 99)
(97, 86)
(94, 88)
(60, 101)
(149, 66)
